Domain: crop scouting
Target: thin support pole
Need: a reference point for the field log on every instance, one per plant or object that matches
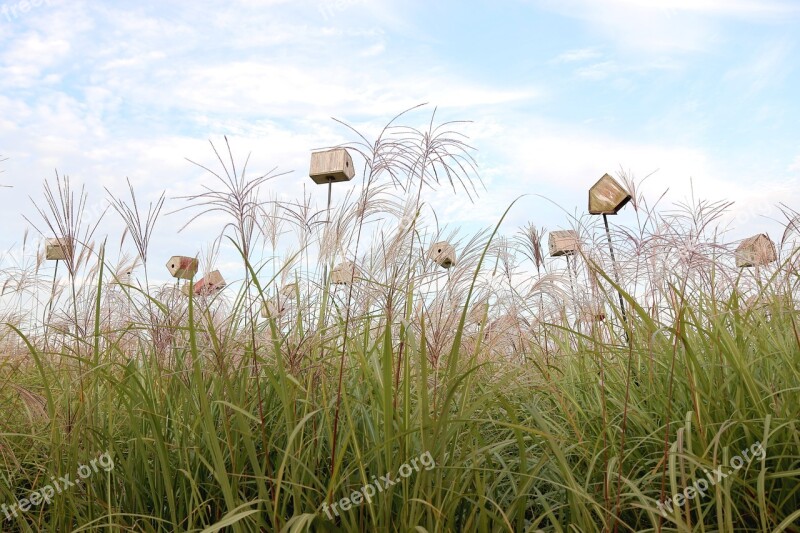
(758, 278)
(52, 297)
(542, 326)
(616, 278)
(571, 281)
(575, 306)
(327, 225)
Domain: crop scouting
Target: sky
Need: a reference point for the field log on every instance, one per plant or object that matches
(700, 94)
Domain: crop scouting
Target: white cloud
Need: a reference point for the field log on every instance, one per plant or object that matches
(149, 91)
(26, 59)
(659, 26)
(718, 7)
(286, 89)
(614, 69)
(555, 164)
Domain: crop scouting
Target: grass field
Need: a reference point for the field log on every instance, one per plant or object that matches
(507, 393)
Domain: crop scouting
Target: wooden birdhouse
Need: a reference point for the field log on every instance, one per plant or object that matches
(123, 277)
(479, 312)
(58, 249)
(443, 254)
(757, 250)
(209, 284)
(272, 309)
(592, 313)
(289, 290)
(607, 197)
(331, 166)
(182, 267)
(563, 243)
(343, 274)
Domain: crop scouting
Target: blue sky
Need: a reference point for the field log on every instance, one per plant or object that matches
(702, 91)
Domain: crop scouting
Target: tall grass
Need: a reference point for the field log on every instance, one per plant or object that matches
(538, 416)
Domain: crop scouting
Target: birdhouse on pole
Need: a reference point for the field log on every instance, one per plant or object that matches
(182, 267)
(208, 285)
(123, 277)
(343, 273)
(443, 254)
(479, 312)
(272, 308)
(331, 166)
(607, 197)
(289, 290)
(58, 249)
(592, 312)
(563, 243)
(755, 251)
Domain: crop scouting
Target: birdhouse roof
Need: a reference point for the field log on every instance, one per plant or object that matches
(441, 246)
(211, 282)
(345, 264)
(607, 196)
(344, 273)
(762, 239)
(289, 289)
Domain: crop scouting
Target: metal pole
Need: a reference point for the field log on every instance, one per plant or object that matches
(575, 306)
(327, 225)
(571, 281)
(52, 297)
(330, 191)
(616, 278)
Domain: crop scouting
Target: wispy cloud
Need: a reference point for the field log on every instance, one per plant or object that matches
(715, 7)
(668, 25)
(768, 66)
(609, 69)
